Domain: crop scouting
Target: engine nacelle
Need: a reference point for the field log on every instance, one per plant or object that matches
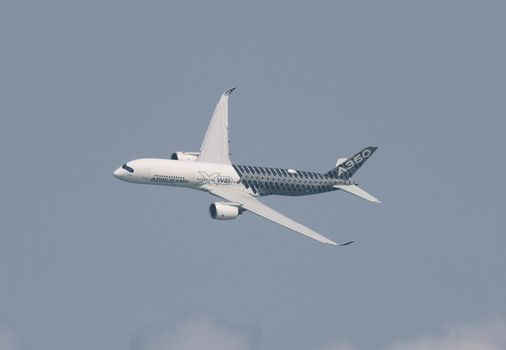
(187, 156)
(224, 211)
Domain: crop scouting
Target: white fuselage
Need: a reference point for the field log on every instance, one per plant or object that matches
(178, 173)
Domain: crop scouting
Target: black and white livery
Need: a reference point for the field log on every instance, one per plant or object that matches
(211, 170)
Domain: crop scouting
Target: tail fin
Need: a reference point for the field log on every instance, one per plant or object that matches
(346, 169)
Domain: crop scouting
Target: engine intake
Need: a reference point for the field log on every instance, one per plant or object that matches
(186, 156)
(225, 211)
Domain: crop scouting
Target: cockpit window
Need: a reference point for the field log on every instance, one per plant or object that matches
(127, 168)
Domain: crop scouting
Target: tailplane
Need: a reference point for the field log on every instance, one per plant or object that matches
(357, 191)
(347, 167)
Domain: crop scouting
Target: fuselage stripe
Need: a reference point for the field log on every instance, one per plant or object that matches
(266, 181)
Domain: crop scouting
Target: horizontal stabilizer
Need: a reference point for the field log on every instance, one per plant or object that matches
(357, 191)
(340, 161)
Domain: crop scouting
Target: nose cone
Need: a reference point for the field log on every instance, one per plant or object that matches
(117, 173)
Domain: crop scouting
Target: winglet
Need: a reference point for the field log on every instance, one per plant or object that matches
(228, 92)
(345, 244)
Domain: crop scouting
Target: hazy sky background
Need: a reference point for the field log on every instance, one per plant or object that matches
(89, 262)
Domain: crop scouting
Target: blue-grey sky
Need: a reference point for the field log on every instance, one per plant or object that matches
(89, 262)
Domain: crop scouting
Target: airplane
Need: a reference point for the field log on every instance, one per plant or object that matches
(239, 186)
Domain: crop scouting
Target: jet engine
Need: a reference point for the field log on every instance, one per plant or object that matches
(187, 156)
(225, 211)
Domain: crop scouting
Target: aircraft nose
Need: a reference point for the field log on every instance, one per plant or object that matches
(117, 173)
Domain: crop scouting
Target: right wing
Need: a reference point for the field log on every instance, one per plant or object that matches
(252, 204)
(214, 148)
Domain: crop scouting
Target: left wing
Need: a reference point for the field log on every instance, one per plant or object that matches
(252, 204)
(214, 148)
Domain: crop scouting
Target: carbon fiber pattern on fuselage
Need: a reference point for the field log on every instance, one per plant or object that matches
(275, 181)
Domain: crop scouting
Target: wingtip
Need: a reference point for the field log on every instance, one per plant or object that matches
(228, 92)
(339, 244)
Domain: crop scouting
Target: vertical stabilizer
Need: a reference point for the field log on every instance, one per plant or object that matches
(346, 169)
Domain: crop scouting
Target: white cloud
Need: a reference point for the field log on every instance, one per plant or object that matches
(8, 340)
(490, 336)
(202, 332)
(198, 332)
(342, 345)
